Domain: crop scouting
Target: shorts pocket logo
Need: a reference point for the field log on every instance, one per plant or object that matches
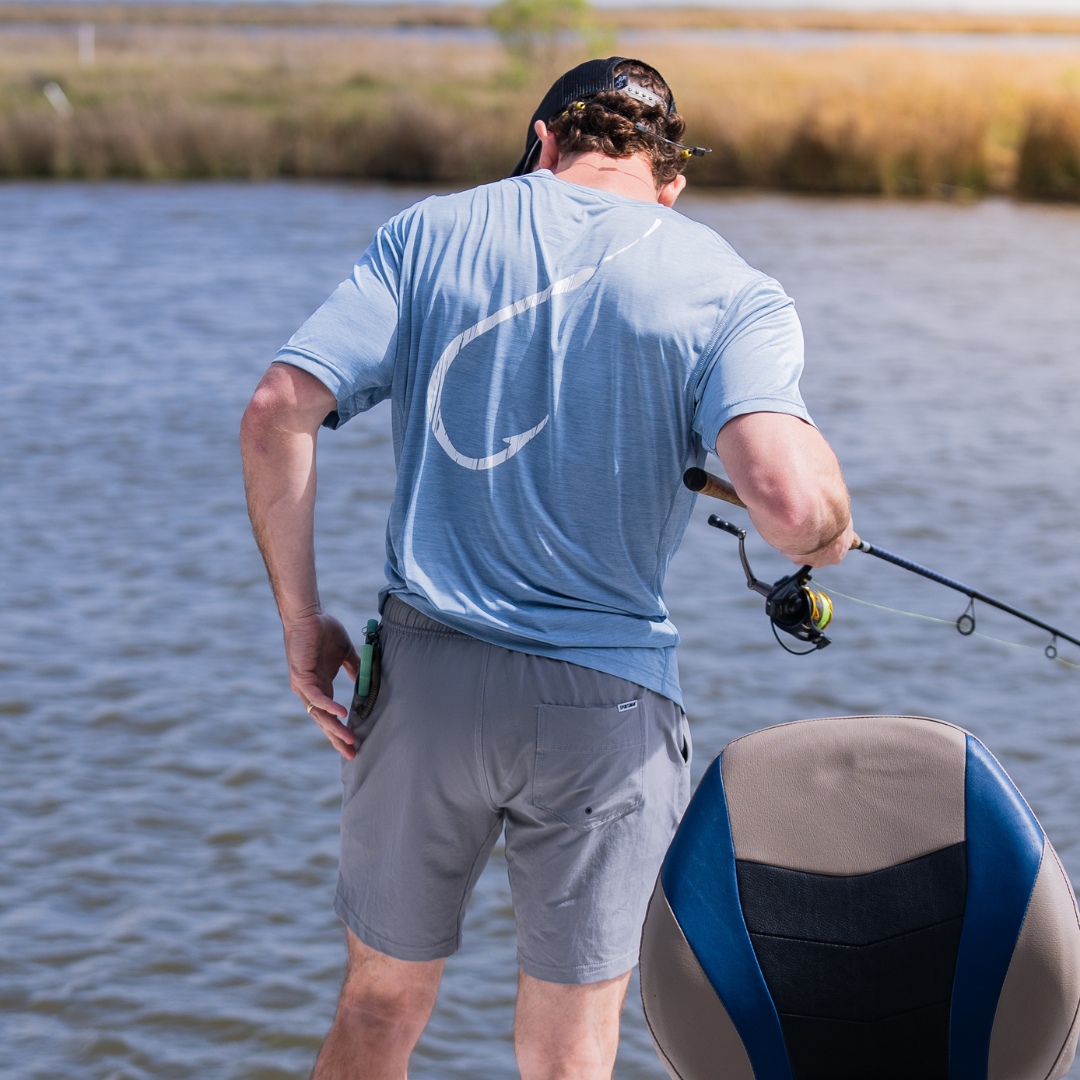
(589, 762)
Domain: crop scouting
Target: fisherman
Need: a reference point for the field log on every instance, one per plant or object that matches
(558, 348)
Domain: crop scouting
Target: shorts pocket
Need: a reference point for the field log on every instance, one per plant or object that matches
(361, 729)
(589, 762)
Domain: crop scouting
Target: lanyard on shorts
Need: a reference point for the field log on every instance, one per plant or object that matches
(368, 677)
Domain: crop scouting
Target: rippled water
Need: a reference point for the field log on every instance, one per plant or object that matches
(169, 815)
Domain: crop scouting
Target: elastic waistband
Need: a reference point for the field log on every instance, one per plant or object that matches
(398, 615)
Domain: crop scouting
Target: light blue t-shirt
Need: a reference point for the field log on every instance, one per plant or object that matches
(556, 357)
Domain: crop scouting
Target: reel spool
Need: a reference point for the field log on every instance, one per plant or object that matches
(790, 603)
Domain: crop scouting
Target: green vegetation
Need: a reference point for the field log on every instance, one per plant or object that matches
(535, 35)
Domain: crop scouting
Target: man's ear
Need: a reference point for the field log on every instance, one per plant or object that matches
(549, 147)
(667, 195)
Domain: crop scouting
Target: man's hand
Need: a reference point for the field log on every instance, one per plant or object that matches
(829, 555)
(790, 480)
(277, 440)
(317, 647)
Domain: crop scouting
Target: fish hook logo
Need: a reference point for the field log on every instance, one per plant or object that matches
(438, 376)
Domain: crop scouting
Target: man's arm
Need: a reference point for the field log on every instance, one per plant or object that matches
(277, 442)
(790, 480)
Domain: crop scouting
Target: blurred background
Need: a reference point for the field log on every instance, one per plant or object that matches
(184, 184)
(864, 102)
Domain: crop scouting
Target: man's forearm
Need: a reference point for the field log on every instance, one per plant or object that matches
(805, 525)
(277, 442)
(279, 477)
(790, 480)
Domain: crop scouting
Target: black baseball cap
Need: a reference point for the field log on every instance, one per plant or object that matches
(586, 80)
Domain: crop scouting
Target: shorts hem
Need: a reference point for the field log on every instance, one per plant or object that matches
(581, 975)
(387, 946)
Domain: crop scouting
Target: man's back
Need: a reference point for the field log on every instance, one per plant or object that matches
(556, 356)
(558, 347)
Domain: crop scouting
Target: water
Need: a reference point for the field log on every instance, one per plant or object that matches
(168, 812)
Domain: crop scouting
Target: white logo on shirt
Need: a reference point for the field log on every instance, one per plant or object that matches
(438, 376)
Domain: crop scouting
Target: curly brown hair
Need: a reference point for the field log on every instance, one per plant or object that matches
(605, 124)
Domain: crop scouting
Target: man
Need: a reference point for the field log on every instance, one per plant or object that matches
(558, 348)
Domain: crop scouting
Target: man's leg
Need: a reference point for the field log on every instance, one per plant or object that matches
(568, 1032)
(383, 1008)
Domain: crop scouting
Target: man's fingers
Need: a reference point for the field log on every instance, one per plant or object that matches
(341, 738)
(331, 727)
(328, 714)
(312, 695)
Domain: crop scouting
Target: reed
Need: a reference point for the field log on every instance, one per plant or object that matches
(167, 100)
(253, 12)
(1049, 160)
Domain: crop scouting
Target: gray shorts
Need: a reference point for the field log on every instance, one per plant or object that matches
(587, 773)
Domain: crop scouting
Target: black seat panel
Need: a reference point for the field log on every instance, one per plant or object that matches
(860, 982)
(913, 1046)
(854, 910)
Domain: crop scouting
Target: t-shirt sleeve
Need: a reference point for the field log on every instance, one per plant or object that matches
(755, 362)
(350, 343)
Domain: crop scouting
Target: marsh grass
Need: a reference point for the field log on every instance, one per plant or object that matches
(165, 100)
(1049, 160)
(664, 17)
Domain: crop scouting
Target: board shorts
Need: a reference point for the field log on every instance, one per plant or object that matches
(588, 774)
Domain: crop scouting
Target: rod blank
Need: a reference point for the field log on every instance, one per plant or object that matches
(960, 587)
(706, 484)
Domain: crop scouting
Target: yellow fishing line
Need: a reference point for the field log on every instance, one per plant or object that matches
(946, 622)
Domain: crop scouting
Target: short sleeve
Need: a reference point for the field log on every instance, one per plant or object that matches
(755, 363)
(350, 343)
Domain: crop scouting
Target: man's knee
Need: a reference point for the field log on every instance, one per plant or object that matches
(568, 1031)
(383, 993)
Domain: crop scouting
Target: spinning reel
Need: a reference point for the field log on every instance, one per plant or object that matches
(795, 608)
(790, 603)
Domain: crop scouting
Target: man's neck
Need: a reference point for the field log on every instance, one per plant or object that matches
(631, 177)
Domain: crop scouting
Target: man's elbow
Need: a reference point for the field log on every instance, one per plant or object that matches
(287, 401)
(258, 420)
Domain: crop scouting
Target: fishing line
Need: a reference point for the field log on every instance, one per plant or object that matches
(945, 622)
(804, 613)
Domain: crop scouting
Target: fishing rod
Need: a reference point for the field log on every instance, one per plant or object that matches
(804, 613)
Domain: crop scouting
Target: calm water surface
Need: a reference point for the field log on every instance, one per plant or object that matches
(167, 812)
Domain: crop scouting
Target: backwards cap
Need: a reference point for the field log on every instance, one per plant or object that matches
(585, 81)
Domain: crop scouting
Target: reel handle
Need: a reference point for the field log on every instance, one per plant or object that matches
(704, 483)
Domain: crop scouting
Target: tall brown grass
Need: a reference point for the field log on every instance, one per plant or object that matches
(166, 100)
(1049, 165)
(692, 16)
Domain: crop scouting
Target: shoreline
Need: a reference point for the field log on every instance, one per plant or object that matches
(377, 14)
(171, 101)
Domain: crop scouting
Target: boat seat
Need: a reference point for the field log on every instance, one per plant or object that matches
(861, 898)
